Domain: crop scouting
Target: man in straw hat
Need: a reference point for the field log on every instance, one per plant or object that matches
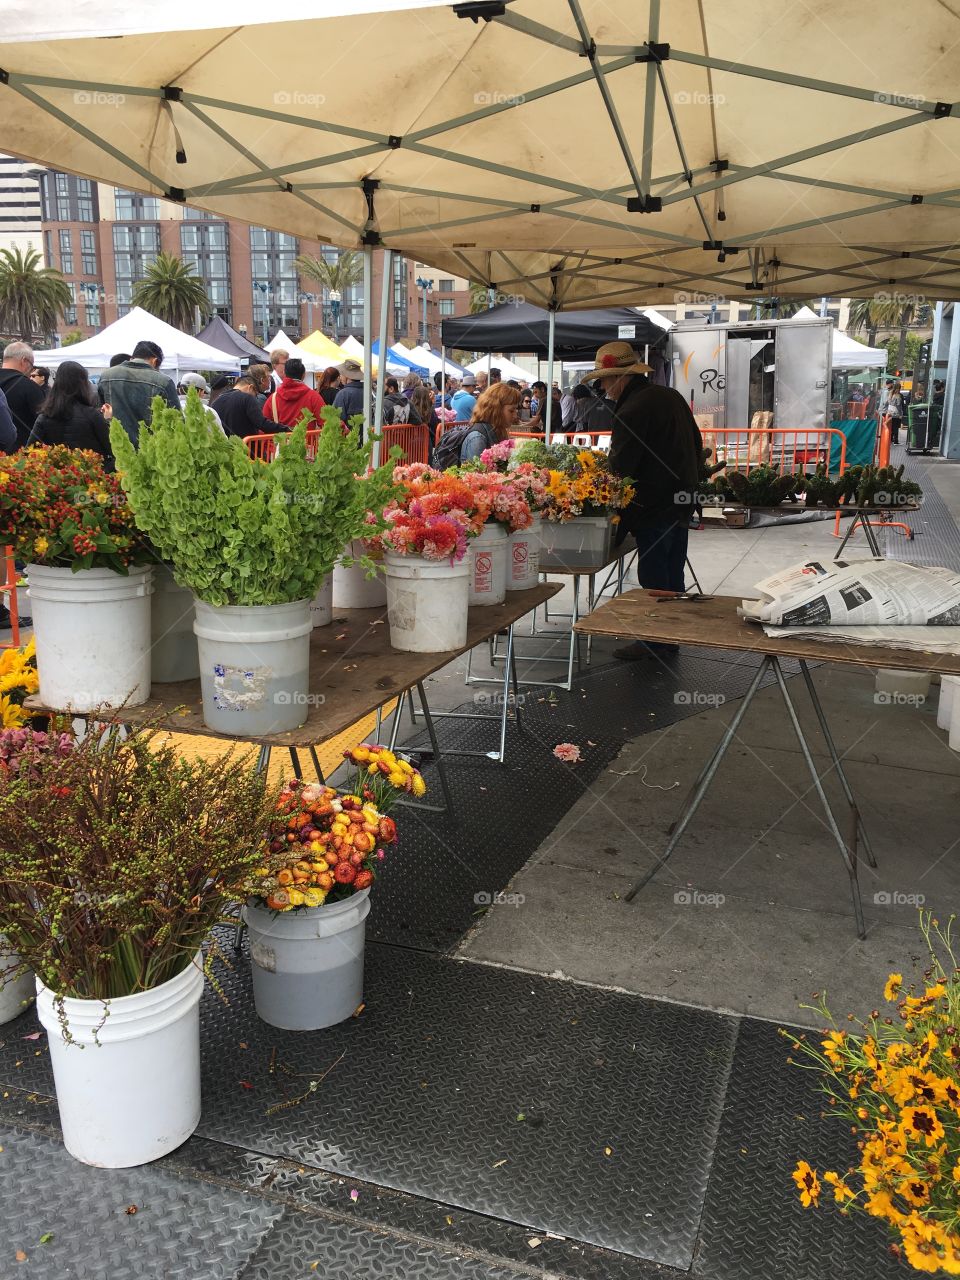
(657, 444)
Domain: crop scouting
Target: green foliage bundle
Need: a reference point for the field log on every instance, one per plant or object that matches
(118, 857)
(239, 531)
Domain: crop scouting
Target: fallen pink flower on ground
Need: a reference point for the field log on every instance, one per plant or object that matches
(568, 752)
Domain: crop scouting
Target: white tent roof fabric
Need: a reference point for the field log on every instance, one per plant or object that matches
(507, 368)
(180, 350)
(705, 149)
(848, 353)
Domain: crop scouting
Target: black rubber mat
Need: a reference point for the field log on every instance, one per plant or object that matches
(754, 1227)
(936, 538)
(442, 874)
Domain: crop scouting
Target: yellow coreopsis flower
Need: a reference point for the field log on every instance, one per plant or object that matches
(831, 1044)
(841, 1191)
(892, 989)
(808, 1184)
(922, 1254)
(921, 1124)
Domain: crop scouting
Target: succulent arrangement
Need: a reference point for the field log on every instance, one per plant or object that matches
(764, 486)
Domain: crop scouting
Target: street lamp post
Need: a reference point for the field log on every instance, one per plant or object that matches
(335, 299)
(264, 289)
(425, 286)
(309, 299)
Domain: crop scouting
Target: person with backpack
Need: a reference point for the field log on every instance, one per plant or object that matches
(494, 417)
(397, 409)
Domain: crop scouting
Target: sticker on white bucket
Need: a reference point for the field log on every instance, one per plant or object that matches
(264, 956)
(483, 572)
(521, 559)
(239, 688)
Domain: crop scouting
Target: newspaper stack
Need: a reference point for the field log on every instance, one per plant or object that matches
(863, 601)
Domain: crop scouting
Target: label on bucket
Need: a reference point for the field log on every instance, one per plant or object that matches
(483, 572)
(521, 560)
(239, 688)
(403, 609)
(263, 956)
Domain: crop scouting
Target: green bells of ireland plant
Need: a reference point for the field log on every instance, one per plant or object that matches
(240, 531)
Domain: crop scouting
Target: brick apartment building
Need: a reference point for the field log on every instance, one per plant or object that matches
(102, 239)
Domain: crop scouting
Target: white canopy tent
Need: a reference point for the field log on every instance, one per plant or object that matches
(507, 368)
(581, 152)
(280, 342)
(181, 351)
(848, 353)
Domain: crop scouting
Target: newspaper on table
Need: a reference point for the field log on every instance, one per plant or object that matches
(864, 602)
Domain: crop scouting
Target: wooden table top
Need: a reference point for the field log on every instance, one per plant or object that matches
(715, 624)
(353, 670)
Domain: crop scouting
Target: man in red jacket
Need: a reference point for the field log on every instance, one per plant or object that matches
(284, 407)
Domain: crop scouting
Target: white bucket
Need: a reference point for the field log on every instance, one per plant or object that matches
(173, 644)
(16, 994)
(894, 685)
(352, 589)
(93, 636)
(954, 738)
(427, 603)
(136, 1095)
(487, 556)
(583, 536)
(523, 557)
(321, 606)
(948, 689)
(308, 963)
(254, 666)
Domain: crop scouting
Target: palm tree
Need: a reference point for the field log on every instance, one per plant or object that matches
(32, 296)
(172, 291)
(900, 311)
(333, 277)
(479, 297)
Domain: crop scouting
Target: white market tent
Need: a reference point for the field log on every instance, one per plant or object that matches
(848, 353)
(424, 357)
(181, 351)
(280, 342)
(580, 152)
(507, 368)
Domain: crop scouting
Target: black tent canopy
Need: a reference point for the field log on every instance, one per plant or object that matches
(523, 329)
(217, 333)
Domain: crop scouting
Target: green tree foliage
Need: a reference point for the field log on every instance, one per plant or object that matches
(32, 296)
(172, 291)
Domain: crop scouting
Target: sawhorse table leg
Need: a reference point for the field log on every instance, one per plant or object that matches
(847, 846)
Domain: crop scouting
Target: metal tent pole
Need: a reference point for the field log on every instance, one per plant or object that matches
(367, 331)
(386, 297)
(552, 321)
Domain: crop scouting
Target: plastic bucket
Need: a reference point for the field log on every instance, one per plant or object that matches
(308, 963)
(427, 603)
(352, 589)
(173, 645)
(948, 692)
(135, 1095)
(580, 537)
(321, 606)
(254, 666)
(16, 994)
(523, 557)
(894, 685)
(487, 555)
(93, 636)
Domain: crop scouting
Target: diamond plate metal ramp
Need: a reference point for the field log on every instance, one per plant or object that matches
(427, 894)
(754, 1227)
(565, 1108)
(183, 1230)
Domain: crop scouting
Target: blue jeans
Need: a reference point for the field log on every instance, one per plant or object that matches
(662, 560)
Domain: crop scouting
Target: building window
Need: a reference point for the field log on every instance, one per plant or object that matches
(91, 300)
(447, 306)
(136, 208)
(48, 248)
(276, 288)
(88, 252)
(84, 200)
(445, 286)
(66, 251)
(134, 249)
(204, 247)
(68, 199)
(197, 215)
(70, 313)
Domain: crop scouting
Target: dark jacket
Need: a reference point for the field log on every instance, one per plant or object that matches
(8, 428)
(397, 410)
(24, 399)
(656, 442)
(290, 399)
(86, 428)
(130, 388)
(349, 400)
(241, 414)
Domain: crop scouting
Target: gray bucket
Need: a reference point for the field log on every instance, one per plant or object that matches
(308, 963)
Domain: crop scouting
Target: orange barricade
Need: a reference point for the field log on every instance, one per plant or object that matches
(785, 448)
(8, 588)
(856, 408)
